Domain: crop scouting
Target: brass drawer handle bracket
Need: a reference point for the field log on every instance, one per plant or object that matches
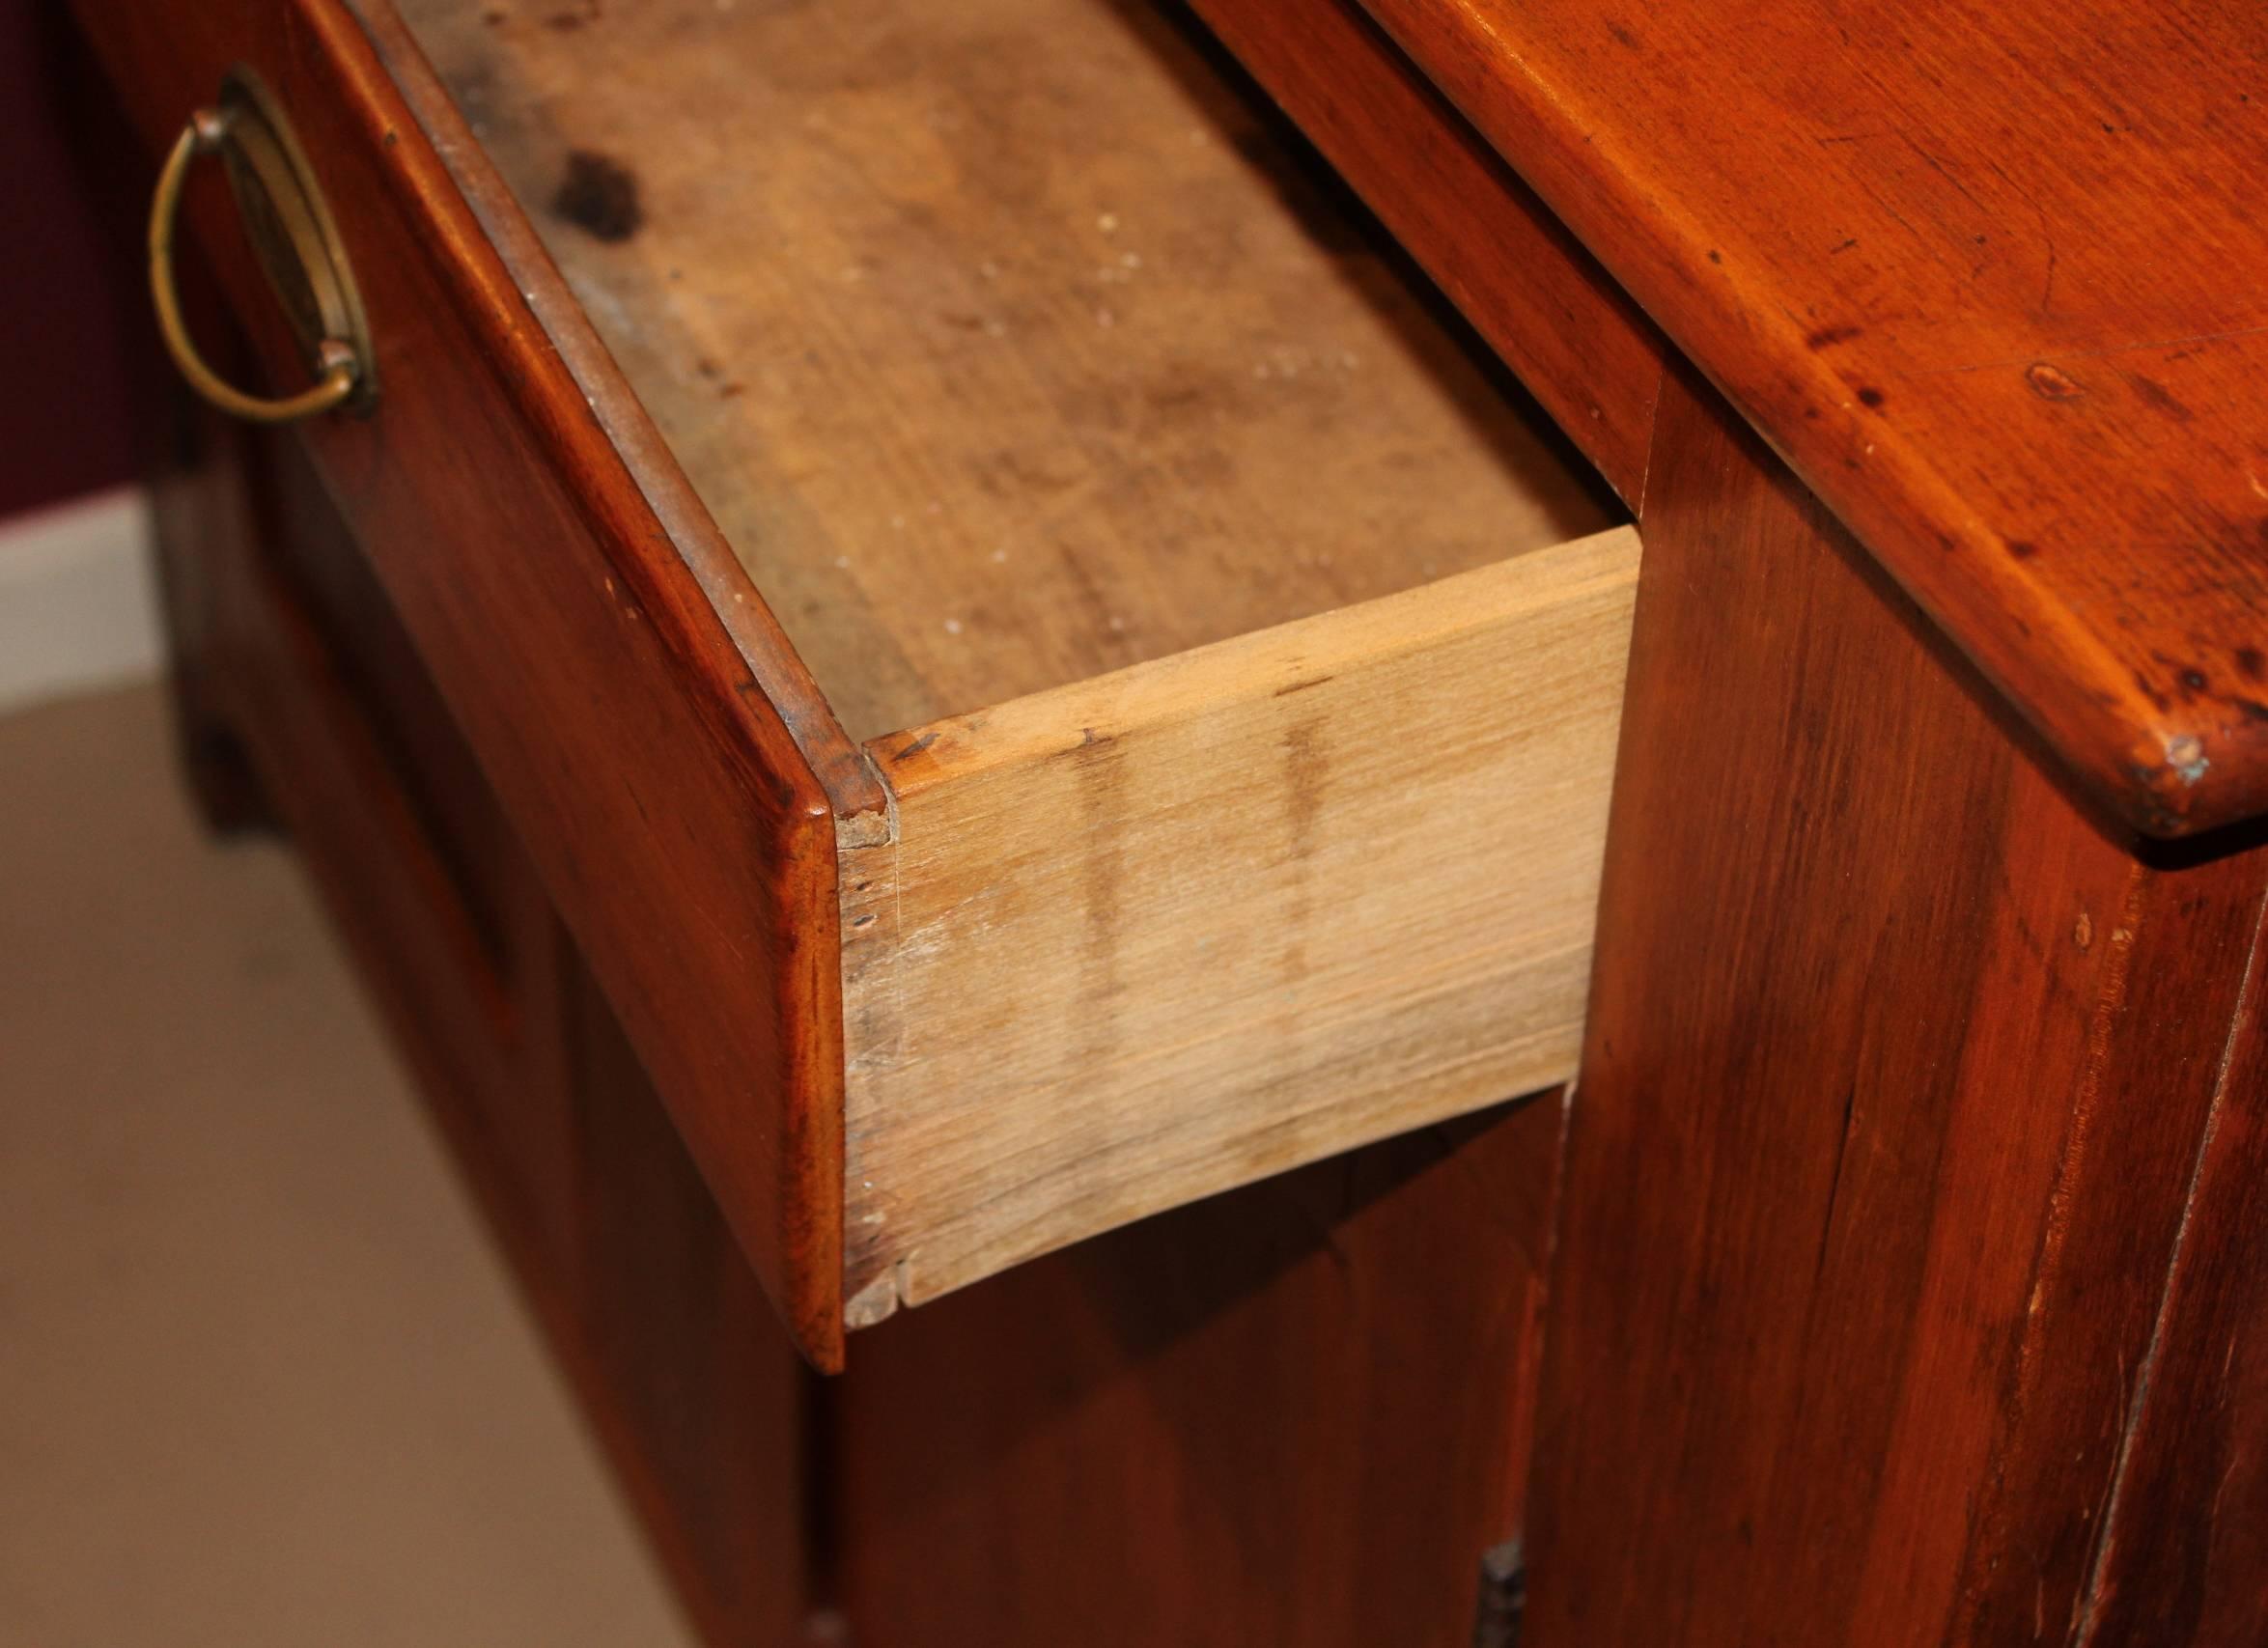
(292, 233)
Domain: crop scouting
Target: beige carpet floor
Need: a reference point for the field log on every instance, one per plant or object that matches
(261, 1379)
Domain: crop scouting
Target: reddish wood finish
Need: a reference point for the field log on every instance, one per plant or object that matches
(1892, 1091)
(2186, 1557)
(1977, 269)
(1907, 1284)
(634, 740)
(1577, 342)
(1290, 1415)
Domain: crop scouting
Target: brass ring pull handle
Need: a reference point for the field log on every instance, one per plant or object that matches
(291, 230)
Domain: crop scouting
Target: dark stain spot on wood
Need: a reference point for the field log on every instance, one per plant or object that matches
(866, 920)
(2158, 398)
(2192, 683)
(915, 747)
(2251, 708)
(2143, 685)
(731, 391)
(1101, 781)
(1827, 337)
(1306, 766)
(1306, 769)
(2250, 663)
(1089, 743)
(1715, 256)
(567, 21)
(2155, 813)
(599, 195)
(1623, 36)
(2022, 549)
(1871, 398)
(495, 19)
(2052, 383)
(1838, 251)
(1301, 686)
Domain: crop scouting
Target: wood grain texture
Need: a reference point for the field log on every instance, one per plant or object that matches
(1293, 1415)
(1579, 344)
(1232, 911)
(1893, 1086)
(1977, 271)
(1002, 339)
(2186, 1546)
(632, 735)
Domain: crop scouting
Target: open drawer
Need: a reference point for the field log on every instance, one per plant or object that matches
(1172, 682)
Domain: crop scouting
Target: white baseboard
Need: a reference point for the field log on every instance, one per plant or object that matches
(78, 598)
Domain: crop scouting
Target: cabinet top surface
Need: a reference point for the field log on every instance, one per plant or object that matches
(1988, 275)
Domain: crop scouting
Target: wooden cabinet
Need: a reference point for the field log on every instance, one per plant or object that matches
(931, 674)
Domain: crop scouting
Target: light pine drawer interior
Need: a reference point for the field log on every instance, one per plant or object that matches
(1240, 657)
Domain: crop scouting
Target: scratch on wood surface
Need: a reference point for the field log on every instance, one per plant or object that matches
(2096, 1592)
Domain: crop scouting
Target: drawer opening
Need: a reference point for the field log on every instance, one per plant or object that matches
(1240, 650)
(1009, 341)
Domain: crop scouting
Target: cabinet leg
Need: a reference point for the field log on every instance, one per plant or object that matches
(222, 782)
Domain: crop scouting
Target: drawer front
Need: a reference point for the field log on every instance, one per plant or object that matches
(565, 600)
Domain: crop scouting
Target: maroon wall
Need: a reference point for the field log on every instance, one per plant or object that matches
(71, 349)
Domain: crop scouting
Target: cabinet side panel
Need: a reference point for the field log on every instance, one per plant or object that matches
(1894, 1084)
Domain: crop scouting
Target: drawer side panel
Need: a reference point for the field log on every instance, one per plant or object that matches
(1200, 921)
